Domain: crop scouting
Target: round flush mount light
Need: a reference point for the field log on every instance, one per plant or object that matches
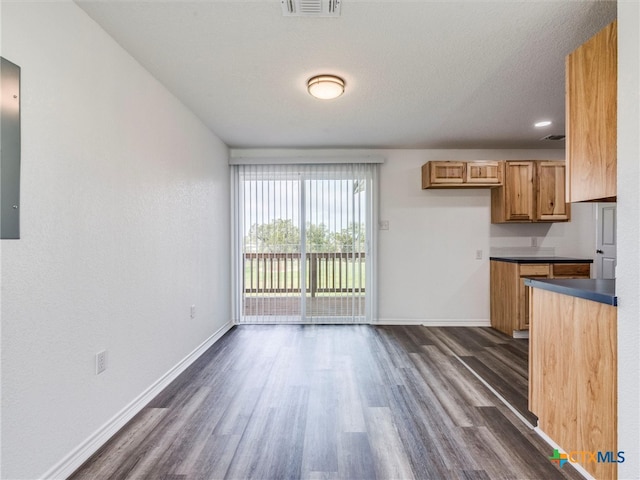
(325, 87)
(543, 123)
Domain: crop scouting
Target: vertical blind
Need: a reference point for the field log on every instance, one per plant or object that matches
(304, 243)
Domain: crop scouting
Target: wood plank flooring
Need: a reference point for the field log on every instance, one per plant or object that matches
(500, 360)
(334, 402)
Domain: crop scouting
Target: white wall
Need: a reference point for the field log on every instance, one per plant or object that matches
(427, 267)
(428, 270)
(125, 224)
(628, 211)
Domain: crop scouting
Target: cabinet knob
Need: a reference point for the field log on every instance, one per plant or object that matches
(599, 251)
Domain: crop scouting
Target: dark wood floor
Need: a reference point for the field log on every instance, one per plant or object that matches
(500, 360)
(335, 402)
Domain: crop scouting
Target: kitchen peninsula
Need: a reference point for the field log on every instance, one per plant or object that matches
(573, 331)
(573, 368)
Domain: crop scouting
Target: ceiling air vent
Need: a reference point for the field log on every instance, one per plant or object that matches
(310, 8)
(553, 137)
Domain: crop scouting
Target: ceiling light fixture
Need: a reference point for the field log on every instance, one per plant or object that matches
(325, 87)
(544, 123)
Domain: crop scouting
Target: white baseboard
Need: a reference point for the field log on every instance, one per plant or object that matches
(435, 322)
(82, 452)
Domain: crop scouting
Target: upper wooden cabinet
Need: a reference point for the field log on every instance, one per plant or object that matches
(533, 191)
(483, 173)
(591, 118)
(442, 174)
(550, 184)
(447, 174)
(514, 202)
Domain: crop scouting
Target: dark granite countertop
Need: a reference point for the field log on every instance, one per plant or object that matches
(602, 291)
(542, 259)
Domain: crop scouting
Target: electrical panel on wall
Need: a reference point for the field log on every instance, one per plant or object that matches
(10, 150)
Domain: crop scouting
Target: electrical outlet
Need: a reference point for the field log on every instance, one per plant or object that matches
(193, 311)
(101, 362)
(383, 224)
(478, 254)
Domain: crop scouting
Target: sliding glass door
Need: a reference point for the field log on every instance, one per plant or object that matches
(302, 243)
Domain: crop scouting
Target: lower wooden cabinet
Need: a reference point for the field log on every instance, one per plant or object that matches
(573, 371)
(529, 271)
(570, 270)
(509, 297)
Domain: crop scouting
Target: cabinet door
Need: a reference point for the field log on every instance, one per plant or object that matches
(485, 173)
(504, 298)
(551, 206)
(591, 113)
(442, 173)
(447, 172)
(571, 270)
(518, 191)
(538, 270)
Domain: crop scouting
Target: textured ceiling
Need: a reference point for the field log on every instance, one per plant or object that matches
(419, 74)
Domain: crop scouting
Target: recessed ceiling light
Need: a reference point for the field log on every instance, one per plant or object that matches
(325, 87)
(553, 137)
(544, 123)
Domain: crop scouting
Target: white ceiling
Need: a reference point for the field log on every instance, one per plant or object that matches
(419, 74)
